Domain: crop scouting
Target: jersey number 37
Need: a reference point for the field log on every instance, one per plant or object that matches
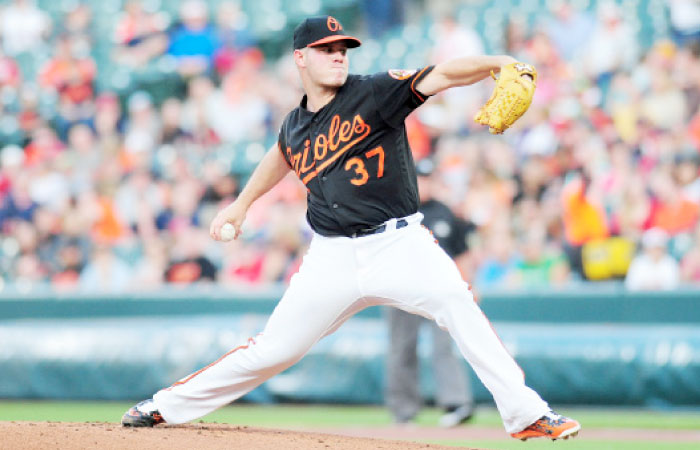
(358, 165)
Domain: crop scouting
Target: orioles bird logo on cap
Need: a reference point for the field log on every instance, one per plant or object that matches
(333, 24)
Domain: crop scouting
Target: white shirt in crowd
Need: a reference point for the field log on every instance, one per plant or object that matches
(651, 274)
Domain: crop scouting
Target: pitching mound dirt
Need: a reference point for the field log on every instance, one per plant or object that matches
(108, 436)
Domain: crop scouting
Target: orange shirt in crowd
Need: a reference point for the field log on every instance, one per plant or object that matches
(674, 218)
(583, 219)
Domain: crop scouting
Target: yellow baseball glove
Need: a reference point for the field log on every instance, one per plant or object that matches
(510, 99)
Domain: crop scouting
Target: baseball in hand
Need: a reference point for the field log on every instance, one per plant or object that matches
(228, 232)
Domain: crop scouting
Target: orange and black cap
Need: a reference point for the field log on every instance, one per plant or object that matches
(321, 30)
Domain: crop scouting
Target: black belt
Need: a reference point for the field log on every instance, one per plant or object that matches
(379, 229)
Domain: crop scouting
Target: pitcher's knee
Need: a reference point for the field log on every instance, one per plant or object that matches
(264, 356)
(454, 306)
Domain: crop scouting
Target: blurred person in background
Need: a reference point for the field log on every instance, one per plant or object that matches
(172, 132)
(497, 263)
(671, 210)
(382, 15)
(233, 30)
(237, 112)
(193, 41)
(453, 392)
(686, 173)
(665, 105)
(453, 39)
(150, 269)
(188, 263)
(194, 118)
(540, 264)
(612, 46)
(10, 75)
(70, 73)
(583, 215)
(684, 17)
(15, 199)
(139, 35)
(569, 28)
(654, 268)
(82, 158)
(179, 209)
(105, 272)
(108, 124)
(24, 28)
(72, 247)
(138, 201)
(76, 23)
(141, 131)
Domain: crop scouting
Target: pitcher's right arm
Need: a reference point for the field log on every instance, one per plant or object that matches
(271, 169)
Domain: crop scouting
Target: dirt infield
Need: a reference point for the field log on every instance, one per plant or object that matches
(107, 436)
(110, 436)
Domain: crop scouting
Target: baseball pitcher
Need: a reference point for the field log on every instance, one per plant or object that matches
(346, 141)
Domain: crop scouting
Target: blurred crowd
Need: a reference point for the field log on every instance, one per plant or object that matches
(114, 191)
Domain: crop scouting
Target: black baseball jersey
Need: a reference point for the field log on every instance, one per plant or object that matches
(353, 154)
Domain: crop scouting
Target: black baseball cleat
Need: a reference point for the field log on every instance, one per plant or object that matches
(143, 414)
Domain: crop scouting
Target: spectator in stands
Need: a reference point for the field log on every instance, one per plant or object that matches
(236, 112)
(540, 264)
(188, 263)
(81, 158)
(453, 39)
(665, 105)
(23, 27)
(497, 267)
(138, 201)
(139, 35)
(672, 211)
(194, 110)
(16, 203)
(569, 28)
(151, 267)
(71, 74)
(583, 216)
(686, 173)
(108, 123)
(232, 26)
(684, 18)
(193, 42)
(383, 15)
(141, 132)
(9, 71)
(654, 268)
(611, 47)
(76, 24)
(105, 272)
(171, 118)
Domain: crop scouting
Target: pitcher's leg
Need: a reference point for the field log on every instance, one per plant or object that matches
(419, 277)
(403, 391)
(317, 299)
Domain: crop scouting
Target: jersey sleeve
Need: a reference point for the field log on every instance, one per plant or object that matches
(282, 145)
(396, 94)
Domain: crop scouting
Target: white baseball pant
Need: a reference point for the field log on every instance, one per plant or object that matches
(339, 276)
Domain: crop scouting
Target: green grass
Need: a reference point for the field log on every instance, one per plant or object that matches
(319, 416)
